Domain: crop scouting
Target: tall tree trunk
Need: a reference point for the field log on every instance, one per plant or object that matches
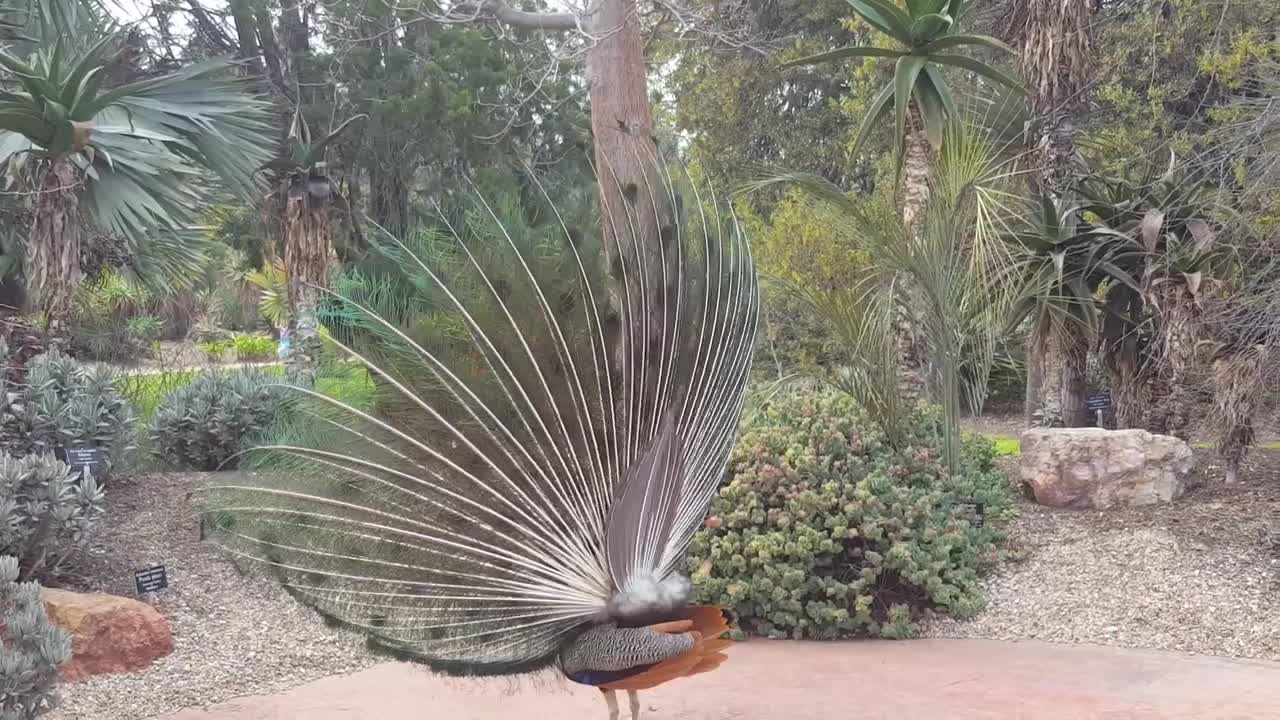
(1239, 386)
(913, 198)
(1174, 402)
(53, 254)
(1054, 41)
(638, 220)
(1055, 53)
(1126, 366)
(307, 253)
(1059, 352)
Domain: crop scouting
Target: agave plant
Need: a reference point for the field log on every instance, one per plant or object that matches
(927, 37)
(1057, 268)
(1165, 257)
(123, 159)
(304, 196)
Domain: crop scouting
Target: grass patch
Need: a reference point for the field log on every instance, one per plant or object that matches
(349, 383)
(1005, 444)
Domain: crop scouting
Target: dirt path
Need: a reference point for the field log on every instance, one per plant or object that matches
(922, 679)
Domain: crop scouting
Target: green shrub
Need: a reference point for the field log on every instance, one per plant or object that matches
(825, 531)
(64, 404)
(33, 648)
(215, 350)
(47, 513)
(254, 348)
(206, 423)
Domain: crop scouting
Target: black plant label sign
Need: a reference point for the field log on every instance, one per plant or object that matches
(1098, 400)
(83, 458)
(979, 518)
(152, 579)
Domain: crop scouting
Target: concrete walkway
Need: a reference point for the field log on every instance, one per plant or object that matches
(763, 680)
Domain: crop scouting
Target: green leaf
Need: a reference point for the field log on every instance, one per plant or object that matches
(844, 53)
(886, 17)
(879, 107)
(83, 97)
(91, 63)
(929, 27)
(28, 124)
(932, 110)
(944, 92)
(949, 42)
(1152, 221)
(967, 63)
(904, 80)
(920, 8)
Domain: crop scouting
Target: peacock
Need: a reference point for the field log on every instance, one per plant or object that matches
(551, 415)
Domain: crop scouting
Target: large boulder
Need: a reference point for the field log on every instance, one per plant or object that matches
(1097, 468)
(109, 634)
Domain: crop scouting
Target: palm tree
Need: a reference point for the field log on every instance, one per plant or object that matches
(1054, 41)
(942, 266)
(304, 197)
(927, 35)
(122, 160)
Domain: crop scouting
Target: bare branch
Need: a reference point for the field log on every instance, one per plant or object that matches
(500, 11)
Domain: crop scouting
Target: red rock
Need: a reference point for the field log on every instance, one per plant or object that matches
(109, 634)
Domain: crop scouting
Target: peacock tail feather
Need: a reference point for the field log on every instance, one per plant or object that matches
(516, 478)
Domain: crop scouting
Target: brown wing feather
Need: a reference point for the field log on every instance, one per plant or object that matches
(706, 623)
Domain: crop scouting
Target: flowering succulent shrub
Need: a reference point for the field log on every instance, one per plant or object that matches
(823, 530)
(33, 648)
(47, 512)
(206, 423)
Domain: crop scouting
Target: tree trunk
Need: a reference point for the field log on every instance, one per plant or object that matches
(1059, 351)
(307, 252)
(913, 198)
(638, 220)
(1125, 363)
(1174, 401)
(53, 254)
(1239, 385)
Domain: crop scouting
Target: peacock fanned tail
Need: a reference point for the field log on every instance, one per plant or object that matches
(544, 433)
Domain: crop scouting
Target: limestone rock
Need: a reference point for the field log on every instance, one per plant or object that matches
(1098, 468)
(109, 634)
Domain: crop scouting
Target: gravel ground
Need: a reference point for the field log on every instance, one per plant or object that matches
(1200, 576)
(233, 635)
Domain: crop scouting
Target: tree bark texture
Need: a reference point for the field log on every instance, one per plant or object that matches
(913, 198)
(1127, 367)
(638, 219)
(1239, 385)
(1055, 57)
(53, 254)
(1060, 350)
(1173, 400)
(308, 251)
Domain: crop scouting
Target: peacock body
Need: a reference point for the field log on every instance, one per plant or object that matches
(550, 420)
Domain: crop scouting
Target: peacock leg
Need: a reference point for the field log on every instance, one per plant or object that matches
(611, 699)
(634, 697)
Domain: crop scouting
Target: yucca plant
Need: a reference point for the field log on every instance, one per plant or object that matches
(927, 36)
(304, 196)
(123, 159)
